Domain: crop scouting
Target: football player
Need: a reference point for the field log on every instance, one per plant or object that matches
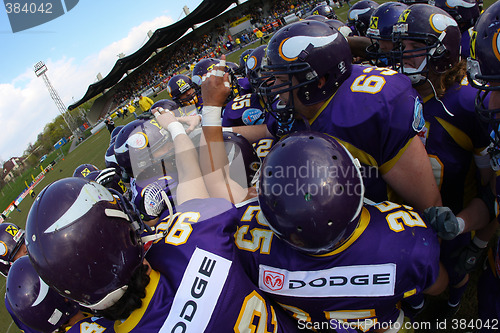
(374, 112)
(84, 169)
(311, 198)
(466, 13)
(358, 16)
(13, 248)
(324, 10)
(184, 92)
(42, 308)
(484, 74)
(427, 50)
(379, 31)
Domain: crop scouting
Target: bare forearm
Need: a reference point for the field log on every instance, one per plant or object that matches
(252, 133)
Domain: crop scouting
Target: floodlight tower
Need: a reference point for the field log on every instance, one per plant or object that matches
(40, 70)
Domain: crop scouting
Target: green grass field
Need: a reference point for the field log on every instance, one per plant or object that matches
(92, 151)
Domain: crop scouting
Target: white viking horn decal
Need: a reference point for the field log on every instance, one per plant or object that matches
(291, 47)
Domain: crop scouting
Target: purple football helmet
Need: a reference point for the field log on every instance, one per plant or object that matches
(84, 241)
(108, 178)
(340, 26)
(243, 159)
(11, 240)
(382, 20)
(319, 18)
(412, 2)
(483, 69)
(253, 65)
(150, 144)
(170, 105)
(180, 84)
(121, 146)
(231, 66)
(110, 158)
(324, 10)
(33, 302)
(307, 51)
(440, 37)
(243, 61)
(358, 16)
(311, 191)
(465, 12)
(115, 132)
(84, 169)
(202, 68)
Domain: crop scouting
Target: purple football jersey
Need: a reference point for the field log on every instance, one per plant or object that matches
(243, 110)
(452, 142)
(465, 44)
(263, 146)
(390, 255)
(374, 114)
(205, 287)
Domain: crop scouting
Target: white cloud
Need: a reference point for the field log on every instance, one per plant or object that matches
(25, 103)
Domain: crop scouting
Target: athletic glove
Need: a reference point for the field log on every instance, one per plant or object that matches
(444, 222)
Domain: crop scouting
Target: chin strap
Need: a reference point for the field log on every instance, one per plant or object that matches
(440, 101)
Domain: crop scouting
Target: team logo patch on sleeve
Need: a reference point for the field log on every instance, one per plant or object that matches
(252, 117)
(418, 115)
(346, 281)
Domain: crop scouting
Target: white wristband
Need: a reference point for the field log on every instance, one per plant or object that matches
(211, 116)
(175, 128)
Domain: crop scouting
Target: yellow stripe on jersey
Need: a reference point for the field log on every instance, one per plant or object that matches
(362, 225)
(457, 134)
(410, 293)
(384, 168)
(132, 321)
(361, 155)
(427, 98)
(321, 110)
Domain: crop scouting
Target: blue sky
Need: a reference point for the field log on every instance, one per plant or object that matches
(75, 47)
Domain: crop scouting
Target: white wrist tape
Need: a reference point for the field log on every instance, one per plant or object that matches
(158, 112)
(211, 116)
(175, 129)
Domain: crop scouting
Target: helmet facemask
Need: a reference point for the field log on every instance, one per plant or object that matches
(399, 54)
(269, 91)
